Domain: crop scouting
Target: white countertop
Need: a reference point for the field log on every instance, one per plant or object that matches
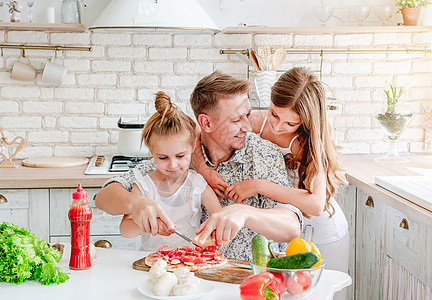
(112, 277)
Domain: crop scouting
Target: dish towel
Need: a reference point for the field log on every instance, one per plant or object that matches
(400, 284)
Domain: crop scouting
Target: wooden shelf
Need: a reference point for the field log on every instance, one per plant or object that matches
(330, 30)
(53, 27)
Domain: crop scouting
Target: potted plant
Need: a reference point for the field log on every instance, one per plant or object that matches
(410, 10)
(394, 120)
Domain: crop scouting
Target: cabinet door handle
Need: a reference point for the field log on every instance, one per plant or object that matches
(103, 244)
(94, 197)
(404, 224)
(370, 202)
(3, 199)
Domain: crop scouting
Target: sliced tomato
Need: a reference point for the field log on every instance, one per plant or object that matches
(209, 254)
(198, 249)
(187, 249)
(194, 253)
(152, 260)
(155, 254)
(198, 261)
(188, 259)
(210, 249)
(167, 249)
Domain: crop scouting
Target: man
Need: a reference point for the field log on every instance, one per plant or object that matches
(221, 106)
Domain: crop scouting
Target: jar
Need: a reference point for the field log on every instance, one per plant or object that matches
(70, 12)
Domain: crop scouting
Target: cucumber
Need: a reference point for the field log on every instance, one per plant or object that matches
(301, 260)
(260, 250)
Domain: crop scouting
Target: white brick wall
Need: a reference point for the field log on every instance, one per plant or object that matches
(120, 76)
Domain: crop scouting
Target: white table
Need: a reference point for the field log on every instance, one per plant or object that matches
(112, 277)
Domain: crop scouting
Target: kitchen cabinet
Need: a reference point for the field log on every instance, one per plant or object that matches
(379, 234)
(102, 226)
(26, 208)
(45, 213)
(370, 246)
(346, 198)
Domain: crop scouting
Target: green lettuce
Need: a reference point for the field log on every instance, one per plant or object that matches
(24, 256)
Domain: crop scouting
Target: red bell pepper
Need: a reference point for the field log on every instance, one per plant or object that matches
(263, 286)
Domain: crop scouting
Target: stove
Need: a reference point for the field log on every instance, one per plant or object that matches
(116, 164)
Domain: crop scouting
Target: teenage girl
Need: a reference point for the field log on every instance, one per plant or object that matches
(170, 136)
(296, 121)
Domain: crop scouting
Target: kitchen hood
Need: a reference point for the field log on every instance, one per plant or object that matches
(154, 15)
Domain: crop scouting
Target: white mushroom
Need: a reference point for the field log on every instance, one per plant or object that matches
(157, 270)
(179, 272)
(164, 286)
(188, 278)
(185, 289)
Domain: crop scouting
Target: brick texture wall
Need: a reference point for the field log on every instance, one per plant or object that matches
(124, 70)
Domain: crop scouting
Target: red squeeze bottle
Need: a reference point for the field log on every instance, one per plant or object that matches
(80, 215)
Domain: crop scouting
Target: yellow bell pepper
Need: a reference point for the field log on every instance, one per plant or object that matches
(299, 245)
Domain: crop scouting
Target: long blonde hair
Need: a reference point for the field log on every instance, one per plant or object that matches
(300, 90)
(168, 120)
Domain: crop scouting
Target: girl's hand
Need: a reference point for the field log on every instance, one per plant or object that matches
(241, 190)
(163, 228)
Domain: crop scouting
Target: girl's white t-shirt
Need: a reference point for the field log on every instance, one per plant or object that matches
(183, 207)
(326, 229)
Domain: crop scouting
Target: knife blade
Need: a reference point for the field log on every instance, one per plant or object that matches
(243, 266)
(185, 238)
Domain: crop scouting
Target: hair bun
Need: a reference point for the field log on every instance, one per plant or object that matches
(164, 106)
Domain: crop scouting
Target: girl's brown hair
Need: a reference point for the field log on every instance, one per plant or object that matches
(168, 120)
(300, 90)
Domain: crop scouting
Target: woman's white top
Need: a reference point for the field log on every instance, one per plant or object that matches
(326, 229)
(183, 207)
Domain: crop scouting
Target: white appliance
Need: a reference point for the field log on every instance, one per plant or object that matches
(151, 15)
(417, 189)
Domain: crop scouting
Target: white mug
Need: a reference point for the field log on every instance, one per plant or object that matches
(54, 73)
(23, 71)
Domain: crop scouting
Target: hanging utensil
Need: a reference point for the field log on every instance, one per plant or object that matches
(244, 59)
(278, 58)
(254, 59)
(264, 55)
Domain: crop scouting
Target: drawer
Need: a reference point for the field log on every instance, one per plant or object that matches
(14, 199)
(117, 241)
(407, 244)
(60, 203)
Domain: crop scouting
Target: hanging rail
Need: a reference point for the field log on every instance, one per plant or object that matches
(335, 51)
(39, 47)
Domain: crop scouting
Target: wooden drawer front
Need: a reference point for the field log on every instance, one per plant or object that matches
(117, 241)
(15, 199)
(407, 246)
(17, 216)
(60, 203)
(370, 246)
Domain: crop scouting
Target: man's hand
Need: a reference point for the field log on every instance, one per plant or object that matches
(146, 213)
(225, 224)
(240, 191)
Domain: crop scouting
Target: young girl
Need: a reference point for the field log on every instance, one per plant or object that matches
(170, 136)
(296, 121)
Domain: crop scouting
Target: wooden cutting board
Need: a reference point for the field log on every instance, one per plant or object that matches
(226, 273)
(54, 162)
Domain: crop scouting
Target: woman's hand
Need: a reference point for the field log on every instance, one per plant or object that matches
(216, 182)
(241, 190)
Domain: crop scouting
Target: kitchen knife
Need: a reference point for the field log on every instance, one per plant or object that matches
(243, 266)
(185, 238)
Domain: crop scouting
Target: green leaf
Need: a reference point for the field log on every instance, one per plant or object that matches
(24, 256)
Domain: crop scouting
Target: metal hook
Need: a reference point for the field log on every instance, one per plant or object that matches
(1, 47)
(23, 50)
